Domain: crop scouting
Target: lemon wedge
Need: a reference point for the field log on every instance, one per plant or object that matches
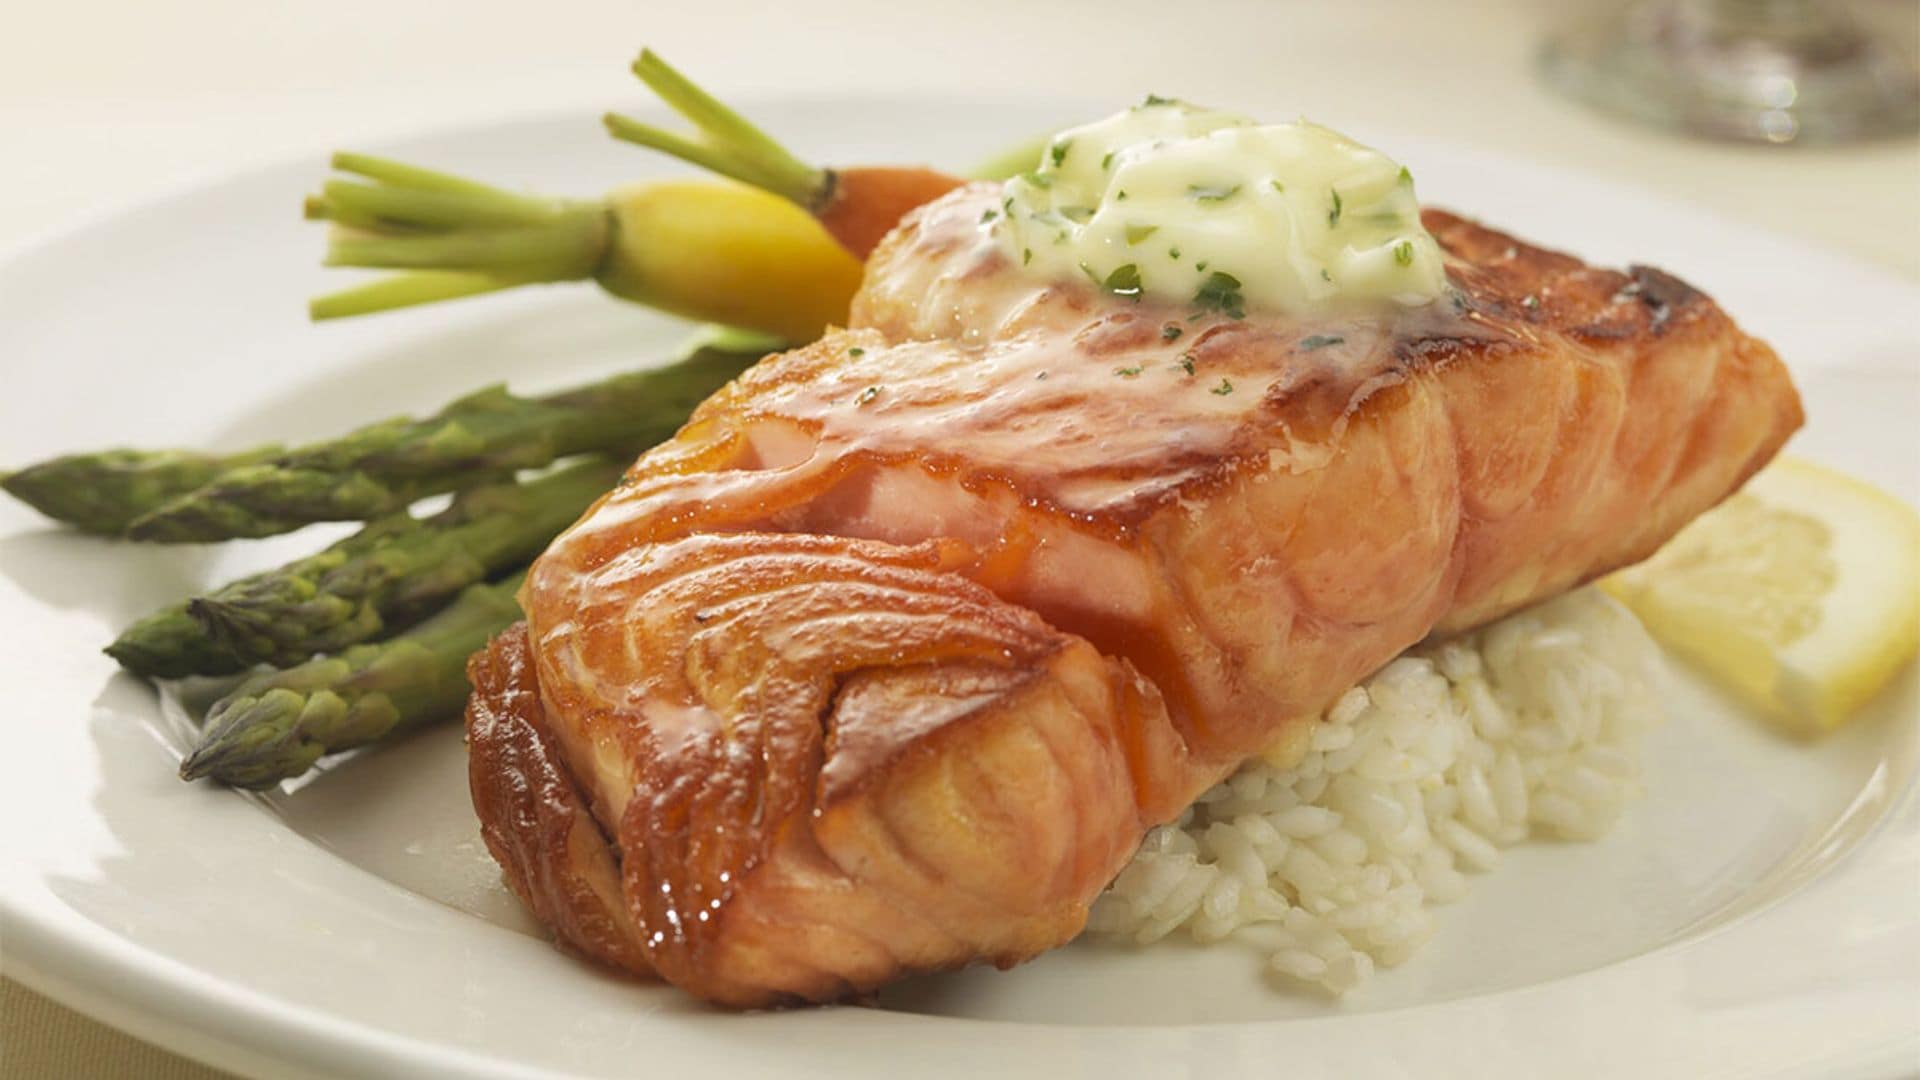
(1801, 593)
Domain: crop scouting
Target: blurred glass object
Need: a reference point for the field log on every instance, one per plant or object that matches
(1771, 71)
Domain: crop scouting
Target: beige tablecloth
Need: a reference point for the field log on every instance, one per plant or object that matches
(39, 1037)
(102, 102)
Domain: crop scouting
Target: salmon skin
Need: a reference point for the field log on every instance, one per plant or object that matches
(888, 660)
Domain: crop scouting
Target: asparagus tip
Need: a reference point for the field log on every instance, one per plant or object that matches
(221, 620)
(253, 742)
(124, 652)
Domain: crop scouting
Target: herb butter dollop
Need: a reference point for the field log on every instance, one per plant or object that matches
(1200, 206)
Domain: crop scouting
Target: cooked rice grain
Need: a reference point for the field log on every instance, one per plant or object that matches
(1416, 777)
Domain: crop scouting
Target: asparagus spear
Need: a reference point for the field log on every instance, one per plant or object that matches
(388, 573)
(382, 468)
(103, 492)
(276, 725)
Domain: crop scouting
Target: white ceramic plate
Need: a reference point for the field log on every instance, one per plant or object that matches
(1754, 915)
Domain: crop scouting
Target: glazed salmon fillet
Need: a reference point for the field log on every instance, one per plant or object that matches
(889, 659)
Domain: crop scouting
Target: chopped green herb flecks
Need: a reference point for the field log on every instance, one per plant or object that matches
(1319, 341)
(856, 351)
(1370, 252)
(1225, 388)
(1531, 303)
(1126, 372)
(1186, 362)
(1039, 375)
(1406, 177)
(1170, 332)
(1212, 193)
(867, 395)
(1124, 281)
(1221, 292)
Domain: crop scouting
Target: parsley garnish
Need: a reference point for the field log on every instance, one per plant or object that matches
(1201, 266)
(1278, 186)
(1531, 303)
(1403, 253)
(1212, 193)
(1319, 341)
(1126, 372)
(1325, 275)
(1405, 176)
(1186, 362)
(1026, 256)
(1156, 99)
(1124, 281)
(1221, 292)
(856, 351)
(1333, 215)
(1173, 253)
(1079, 215)
(988, 215)
(1037, 179)
(1137, 233)
(1107, 161)
(1170, 332)
(1225, 388)
(867, 395)
(1058, 151)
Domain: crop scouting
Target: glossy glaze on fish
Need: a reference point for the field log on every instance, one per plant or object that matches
(887, 661)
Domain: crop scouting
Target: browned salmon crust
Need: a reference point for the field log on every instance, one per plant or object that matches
(887, 661)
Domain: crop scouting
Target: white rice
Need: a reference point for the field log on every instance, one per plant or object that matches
(1411, 780)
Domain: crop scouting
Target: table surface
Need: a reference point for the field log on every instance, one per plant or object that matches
(104, 102)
